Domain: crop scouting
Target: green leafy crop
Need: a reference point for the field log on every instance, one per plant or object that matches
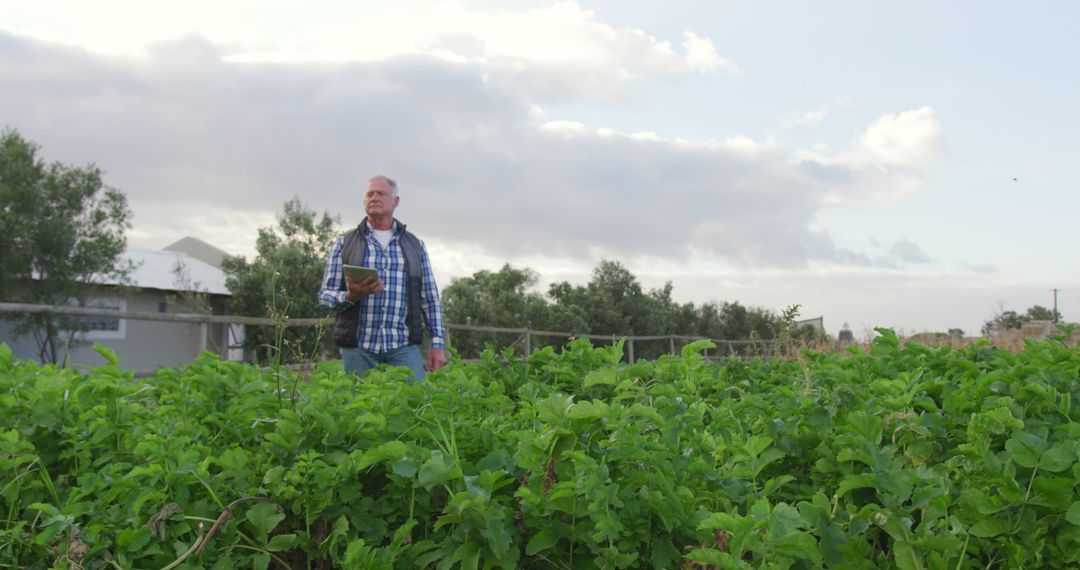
(897, 457)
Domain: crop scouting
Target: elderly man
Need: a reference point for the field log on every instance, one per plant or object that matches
(380, 320)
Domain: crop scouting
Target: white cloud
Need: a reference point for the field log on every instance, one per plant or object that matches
(567, 128)
(701, 55)
(192, 139)
(887, 162)
(556, 51)
(742, 143)
(911, 138)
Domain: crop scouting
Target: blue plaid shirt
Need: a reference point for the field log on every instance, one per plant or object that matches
(382, 316)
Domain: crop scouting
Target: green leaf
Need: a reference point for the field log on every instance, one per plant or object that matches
(866, 424)
(663, 554)
(468, 554)
(1052, 492)
(541, 541)
(989, 528)
(390, 451)
(756, 444)
(720, 521)
(474, 487)
(107, 353)
(234, 460)
(798, 545)
(832, 543)
(860, 481)
(553, 408)
(784, 519)
(1025, 448)
(341, 527)
(762, 461)
(604, 376)
(773, 485)
(406, 468)
(436, 470)
(1057, 459)
(940, 542)
(264, 516)
(588, 410)
(697, 346)
(1073, 514)
(133, 539)
(281, 542)
(907, 558)
(898, 483)
(325, 420)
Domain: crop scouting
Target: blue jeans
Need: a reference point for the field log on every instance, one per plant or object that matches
(359, 361)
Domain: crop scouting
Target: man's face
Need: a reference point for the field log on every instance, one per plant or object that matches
(379, 199)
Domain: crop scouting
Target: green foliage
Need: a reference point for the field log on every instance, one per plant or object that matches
(613, 302)
(283, 282)
(1006, 320)
(61, 229)
(897, 457)
(500, 299)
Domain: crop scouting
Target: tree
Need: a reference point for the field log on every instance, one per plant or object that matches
(1041, 313)
(1006, 320)
(613, 302)
(61, 233)
(283, 281)
(500, 299)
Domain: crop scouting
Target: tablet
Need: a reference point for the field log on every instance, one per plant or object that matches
(359, 273)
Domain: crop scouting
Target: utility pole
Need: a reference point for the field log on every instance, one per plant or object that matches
(1055, 305)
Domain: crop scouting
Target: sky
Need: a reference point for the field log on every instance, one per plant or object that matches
(911, 165)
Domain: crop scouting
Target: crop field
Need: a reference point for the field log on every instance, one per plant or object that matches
(892, 456)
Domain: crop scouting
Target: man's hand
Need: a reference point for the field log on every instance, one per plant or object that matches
(366, 286)
(436, 358)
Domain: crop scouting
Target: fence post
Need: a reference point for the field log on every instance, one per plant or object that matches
(528, 342)
(204, 331)
(671, 342)
(630, 349)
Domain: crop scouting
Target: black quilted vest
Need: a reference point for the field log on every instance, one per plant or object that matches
(353, 250)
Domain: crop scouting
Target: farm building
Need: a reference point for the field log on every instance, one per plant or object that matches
(185, 277)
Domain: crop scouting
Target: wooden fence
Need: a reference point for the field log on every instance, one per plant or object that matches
(524, 336)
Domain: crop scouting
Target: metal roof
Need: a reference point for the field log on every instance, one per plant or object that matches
(158, 269)
(199, 249)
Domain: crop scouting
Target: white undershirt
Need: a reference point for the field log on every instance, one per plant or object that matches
(383, 237)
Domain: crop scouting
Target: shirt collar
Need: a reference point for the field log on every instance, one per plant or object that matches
(368, 228)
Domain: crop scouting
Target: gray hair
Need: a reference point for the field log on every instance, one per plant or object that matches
(389, 182)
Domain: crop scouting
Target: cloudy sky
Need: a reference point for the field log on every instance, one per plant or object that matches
(909, 164)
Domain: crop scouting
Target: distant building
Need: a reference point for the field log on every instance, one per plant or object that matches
(185, 277)
(845, 335)
(817, 323)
